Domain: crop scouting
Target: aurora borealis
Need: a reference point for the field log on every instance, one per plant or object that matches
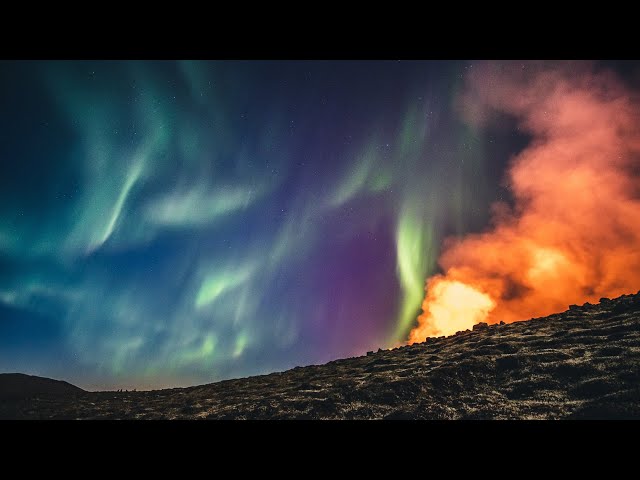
(173, 223)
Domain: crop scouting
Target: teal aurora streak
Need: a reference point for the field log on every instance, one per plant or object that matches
(171, 223)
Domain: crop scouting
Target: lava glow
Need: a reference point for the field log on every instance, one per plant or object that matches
(572, 234)
(451, 306)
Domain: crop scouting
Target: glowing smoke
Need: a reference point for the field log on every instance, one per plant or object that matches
(573, 233)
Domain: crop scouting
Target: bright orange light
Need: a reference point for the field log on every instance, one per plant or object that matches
(450, 306)
(573, 234)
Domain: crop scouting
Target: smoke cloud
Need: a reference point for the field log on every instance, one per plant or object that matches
(572, 232)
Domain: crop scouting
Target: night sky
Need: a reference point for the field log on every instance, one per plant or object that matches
(176, 223)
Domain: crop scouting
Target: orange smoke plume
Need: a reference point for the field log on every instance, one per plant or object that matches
(573, 233)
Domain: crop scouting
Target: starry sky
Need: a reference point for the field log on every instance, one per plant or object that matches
(175, 223)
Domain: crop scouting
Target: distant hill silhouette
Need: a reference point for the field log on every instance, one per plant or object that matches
(581, 363)
(15, 386)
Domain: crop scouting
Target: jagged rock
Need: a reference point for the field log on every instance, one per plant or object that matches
(480, 326)
(573, 307)
(509, 362)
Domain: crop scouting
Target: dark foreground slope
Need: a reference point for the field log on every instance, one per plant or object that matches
(582, 363)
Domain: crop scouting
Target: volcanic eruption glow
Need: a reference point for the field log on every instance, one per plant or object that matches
(573, 232)
(452, 306)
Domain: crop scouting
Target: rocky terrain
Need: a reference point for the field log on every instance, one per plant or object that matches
(582, 363)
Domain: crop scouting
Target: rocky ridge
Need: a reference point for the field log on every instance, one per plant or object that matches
(581, 363)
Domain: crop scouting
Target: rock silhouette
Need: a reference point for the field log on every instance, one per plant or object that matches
(583, 363)
(16, 386)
